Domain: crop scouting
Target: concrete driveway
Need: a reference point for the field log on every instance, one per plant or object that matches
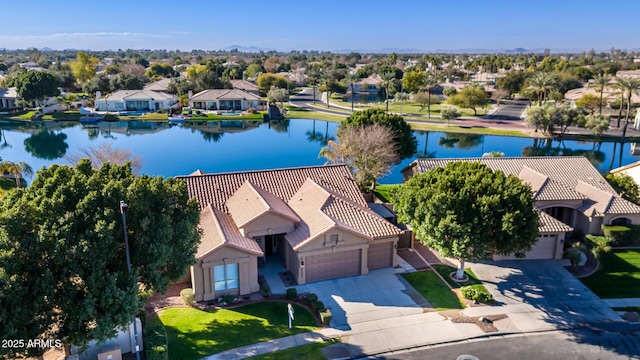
(543, 287)
(380, 295)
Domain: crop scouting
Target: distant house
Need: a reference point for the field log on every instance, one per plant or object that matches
(633, 170)
(369, 84)
(569, 192)
(314, 220)
(160, 85)
(224, 99)
(245, 85)
(9, 98)
(135, 100)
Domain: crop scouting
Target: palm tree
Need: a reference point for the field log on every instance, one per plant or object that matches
(17, 169)
(313, 77)
(388, 82)
(327, 78)
(351, 80)
(600, 82)
(628, 86)
(427, 84)
(541, 83)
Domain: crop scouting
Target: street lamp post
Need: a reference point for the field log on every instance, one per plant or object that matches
(123, 210)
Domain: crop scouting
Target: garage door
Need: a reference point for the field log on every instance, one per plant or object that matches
(380, 255)
(545, 248)
(333, 265)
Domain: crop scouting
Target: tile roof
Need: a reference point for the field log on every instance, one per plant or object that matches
(549, 224)
(567, 178)
(9, 93)
(244, 85)
(216, 189)
(321, 209)
(219, 230)
(224, 94)
(160, 85)
(250, 202)
(137, 95)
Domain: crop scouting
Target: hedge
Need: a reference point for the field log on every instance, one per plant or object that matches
(325, 316)
(155, 341)
(476, 293)
(621, 235)
(292, 293)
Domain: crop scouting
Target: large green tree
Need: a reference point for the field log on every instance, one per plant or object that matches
(36, 85)
(599, 84)
(512, 81)
(84, 68)
(406, 143)
(471, 96)
(467, 211)
(625, 186)
(541, 84)
(63, 272)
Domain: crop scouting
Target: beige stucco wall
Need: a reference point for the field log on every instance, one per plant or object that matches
(268, 224)
(558, 243)
(635, 218)
(202, 273)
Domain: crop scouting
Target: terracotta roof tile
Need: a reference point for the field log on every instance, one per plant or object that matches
(219, 230)
(216, 189)
(549, 224)
(250, 202)
(321, 209)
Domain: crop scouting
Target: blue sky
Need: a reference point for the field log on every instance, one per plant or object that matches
(331, 25)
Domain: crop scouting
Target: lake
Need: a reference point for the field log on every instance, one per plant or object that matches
(240, 145)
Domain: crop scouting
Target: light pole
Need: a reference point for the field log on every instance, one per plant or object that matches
(123, 210)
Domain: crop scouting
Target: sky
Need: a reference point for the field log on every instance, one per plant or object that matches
(329, 25)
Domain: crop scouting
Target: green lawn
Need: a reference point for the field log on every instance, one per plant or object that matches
(429, 285)
(194, 334)
(382, 191)
(297, 113)
(445, 270)
(306, 352)
(408, 107)
(618, 275)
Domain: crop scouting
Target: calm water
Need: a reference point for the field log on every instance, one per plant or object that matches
(237, 145)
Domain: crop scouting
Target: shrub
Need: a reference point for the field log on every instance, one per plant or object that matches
(476, 293)
(325, 316)
(155, 341)
(317, 306)
(251, 111)
(311, 298)
(227, 299)
(265, 290)
(292, 293)
(187, 296)
(621, 235)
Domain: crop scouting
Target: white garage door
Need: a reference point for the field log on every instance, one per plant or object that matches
(545, 248)
(332, 265)
(380, 255)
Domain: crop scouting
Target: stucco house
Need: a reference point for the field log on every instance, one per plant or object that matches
(632, 170)
(245, 85)
(367, 85)
(313, 219)
(568, 191)
(224, 99)
(135, 100)
(9, 98)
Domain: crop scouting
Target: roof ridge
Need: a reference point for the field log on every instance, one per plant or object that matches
(260, 197)
(265, 170)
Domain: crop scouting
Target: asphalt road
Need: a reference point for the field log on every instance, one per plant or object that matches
(512, 110)
(584, 345)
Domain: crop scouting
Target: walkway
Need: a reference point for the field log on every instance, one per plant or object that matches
(620, 303)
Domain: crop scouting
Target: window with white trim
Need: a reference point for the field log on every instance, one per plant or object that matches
(225, 277)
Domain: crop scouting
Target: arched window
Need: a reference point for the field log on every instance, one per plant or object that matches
(621, 221)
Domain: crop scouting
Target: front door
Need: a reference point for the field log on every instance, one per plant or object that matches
(269, 243)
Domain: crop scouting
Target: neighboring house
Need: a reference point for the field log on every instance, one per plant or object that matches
(224, 99)
(9, 98)
(569, 192)
(160, 85)
(313, 219)
(632, 170)
(245, 85)
(135, 100)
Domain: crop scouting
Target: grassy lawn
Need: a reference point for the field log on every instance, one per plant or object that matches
(382, 191)
(210, 117)
(466, 130)
(194, 334)
(407, 107)
(297, 113)
(22, 115)
(429, 285)
(307, 352)
(618, 275)
(445, 270)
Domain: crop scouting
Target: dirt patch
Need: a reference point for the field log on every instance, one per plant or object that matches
(171, 298)
(485, 323)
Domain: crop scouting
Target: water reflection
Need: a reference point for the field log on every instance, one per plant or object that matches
(460, 141)
(544, 147)
(46, 144)
(280, 126)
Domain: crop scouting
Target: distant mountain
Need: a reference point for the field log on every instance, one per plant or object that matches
(250, 49)
(47, 49)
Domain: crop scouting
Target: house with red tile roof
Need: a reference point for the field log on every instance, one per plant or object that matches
(314, 219)
(569, 192)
